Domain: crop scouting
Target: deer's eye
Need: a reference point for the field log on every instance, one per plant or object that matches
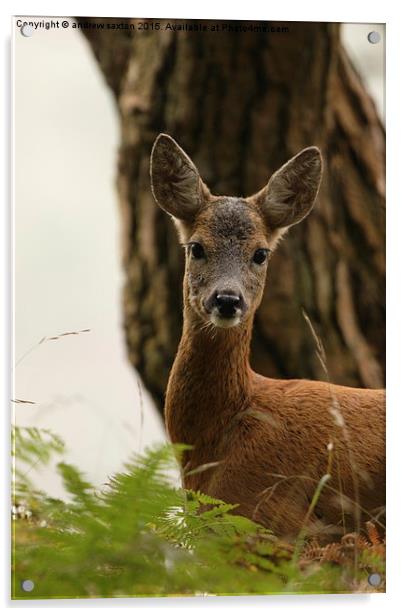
(260, 255)
(197, 251)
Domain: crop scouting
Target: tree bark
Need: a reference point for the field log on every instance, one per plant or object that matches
(241, 104)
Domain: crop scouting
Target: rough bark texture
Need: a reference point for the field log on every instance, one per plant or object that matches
(241, 105)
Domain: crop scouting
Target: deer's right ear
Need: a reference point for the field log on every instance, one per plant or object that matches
(175, 181)
(290, 193)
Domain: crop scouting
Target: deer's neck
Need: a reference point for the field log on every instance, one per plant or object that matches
(209, 382)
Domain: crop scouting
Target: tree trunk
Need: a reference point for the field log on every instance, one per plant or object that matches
(241, 104)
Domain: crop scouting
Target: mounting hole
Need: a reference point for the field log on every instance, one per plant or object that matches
(374, 37)
(27, 585)
(374, 579)
(27, 30)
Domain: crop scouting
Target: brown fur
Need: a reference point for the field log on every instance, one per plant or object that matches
(271, 438)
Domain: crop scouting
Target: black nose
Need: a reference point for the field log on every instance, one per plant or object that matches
(227, 304)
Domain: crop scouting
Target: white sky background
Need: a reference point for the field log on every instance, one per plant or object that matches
(67, 255)
(67, 258)
(369, 59)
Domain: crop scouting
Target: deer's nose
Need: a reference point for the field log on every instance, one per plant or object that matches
(227, 304)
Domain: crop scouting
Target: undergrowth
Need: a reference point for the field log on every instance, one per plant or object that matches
(141, 536)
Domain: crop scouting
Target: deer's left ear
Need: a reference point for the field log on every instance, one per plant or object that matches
(291, 192)
(175, 181)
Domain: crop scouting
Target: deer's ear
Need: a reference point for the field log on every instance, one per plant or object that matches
(175, 181)
(291, 192)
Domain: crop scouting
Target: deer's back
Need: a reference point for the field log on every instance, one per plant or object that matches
(292, 433)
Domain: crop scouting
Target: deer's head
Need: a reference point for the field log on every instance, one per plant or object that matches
(228, 240)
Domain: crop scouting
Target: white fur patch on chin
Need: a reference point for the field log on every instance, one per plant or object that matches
(224, 323)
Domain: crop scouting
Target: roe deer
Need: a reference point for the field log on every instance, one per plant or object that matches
(270, 438)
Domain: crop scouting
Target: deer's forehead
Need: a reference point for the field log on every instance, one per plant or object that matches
(229, 219)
